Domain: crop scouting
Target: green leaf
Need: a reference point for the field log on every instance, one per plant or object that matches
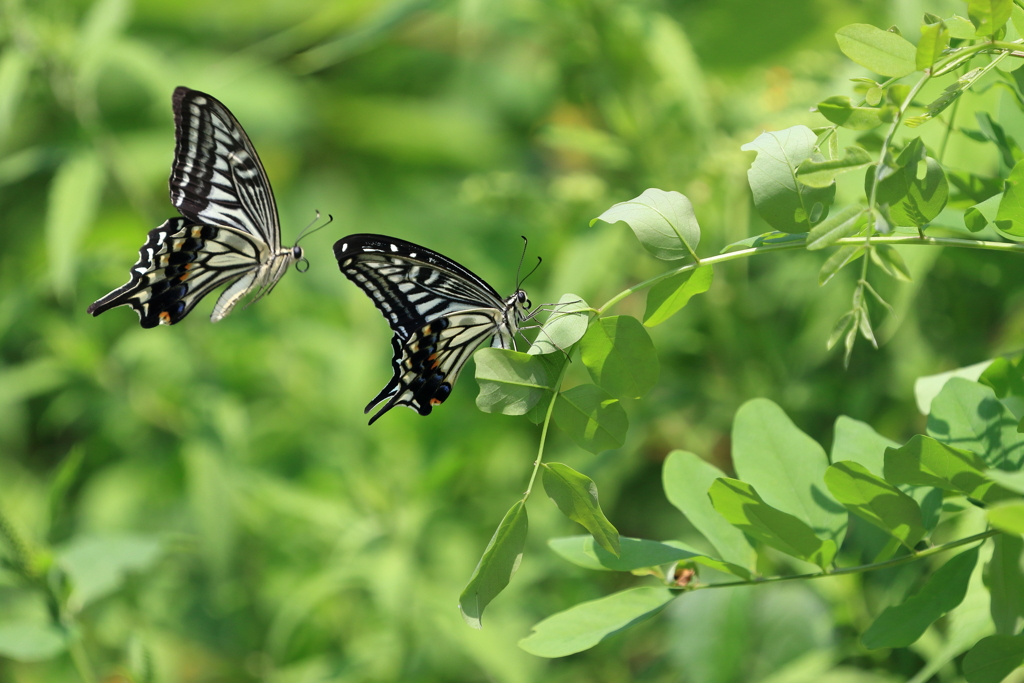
(823, 173)
(959, 28)
(510, 382)
(926, 462)
(553, 364)
(842, 224)
(928, 387)
(591, 417)
(30, 642)
(1012, 481)
(664, 223)
(857, 441)
(497, 565)
(15, 70)
(1008, 147)
(620, 356)
(575, 495)
(785, 203)
(686, 478)
(889, 260)
(670, 295)
(994, 658)
(98, 565)
(739, 503)
(786, 466)
(982, 213)
(839, 259)
(636, 553)
(969, 415)
(587, 624)
(1008, 516)
(902, 625)
(875, 500)
(925, 197)
(948, 97)
(840, 110)
(1004, 577)
(934, 39)
(1010, 216)
(879, 51)
(71, 209)
(773, 237)
(988, 16)
(563, 328)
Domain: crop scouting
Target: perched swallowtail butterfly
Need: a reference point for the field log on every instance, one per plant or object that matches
(439, 311)
(230, 232)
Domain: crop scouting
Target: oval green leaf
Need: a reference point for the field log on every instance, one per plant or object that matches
(587, 624)
(30, 642)
(923, 461)
(840, 110)
(497, 565)
(823, 173)
(968, 415)
(994, 658)
(988, 16)
(664, 223)
(875, 500)
(510, 382)
(620, 356)
(635, 553)
(880, 51)
(739, 503)
(934, 39)
(563, 328)
(575, 495)
(670, 295)
(591, 417)
(1008, 516)
(842, 224)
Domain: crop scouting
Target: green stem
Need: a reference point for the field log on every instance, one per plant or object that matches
(547, 423)
(787, 246)
(889, 136)
(913, 557)
(80, 659)
(949, 129)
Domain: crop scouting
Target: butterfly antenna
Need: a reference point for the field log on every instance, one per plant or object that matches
(306, 232)
(539, 261)
(526, 242)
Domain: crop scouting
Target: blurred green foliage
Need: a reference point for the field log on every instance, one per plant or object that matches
(213, 490)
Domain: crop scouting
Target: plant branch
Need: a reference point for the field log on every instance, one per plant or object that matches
(547, 423)
(787, 246)
(913, 557)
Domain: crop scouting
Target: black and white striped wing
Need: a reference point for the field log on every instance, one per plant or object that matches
(180, 263)
(217, 177)
(439, 311)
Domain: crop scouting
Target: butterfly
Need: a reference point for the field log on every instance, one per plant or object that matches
(229, 231)
(440, 313)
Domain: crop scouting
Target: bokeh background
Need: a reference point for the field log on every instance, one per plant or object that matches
(297, 545)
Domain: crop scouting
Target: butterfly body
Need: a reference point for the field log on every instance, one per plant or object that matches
(228, 232)
(439, 311)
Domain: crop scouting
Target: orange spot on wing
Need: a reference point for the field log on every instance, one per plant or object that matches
(435, 402)
(165, 317)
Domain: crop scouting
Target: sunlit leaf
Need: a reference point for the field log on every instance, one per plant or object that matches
(968, 415)
(635, 553)
(669, 296)
(981, 214)
(497, 565)
(587, 624)
(686, 478)
(566, 324)
(30, 642)
(934, 39)
(97, 565)
(902, 625)
(959, 27)
(841, 111)
(1008, 516)
(1010, 216)
(591, 417)
(785, 203)
(875, 500)
(620, 356)
(575, 495)
(886, 257)
(768, 238)
(664, 223)
(739, 503)
(840, 258)
(880, 51)
(923, 461)
(988, 16)
(786, 466)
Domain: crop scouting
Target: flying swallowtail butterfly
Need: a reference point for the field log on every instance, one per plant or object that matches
(439, 311)
(230, 232)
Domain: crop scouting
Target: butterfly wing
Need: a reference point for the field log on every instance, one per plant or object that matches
(439, 312)
(217, 177)
(180, 263)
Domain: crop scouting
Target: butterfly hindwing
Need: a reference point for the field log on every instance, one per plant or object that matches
(439, 312)
(217, 177)
(180, 263)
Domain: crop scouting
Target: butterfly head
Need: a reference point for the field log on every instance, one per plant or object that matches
(523, 301)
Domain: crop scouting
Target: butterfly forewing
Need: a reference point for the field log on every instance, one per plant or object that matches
(180, 263)
(229, 233)
(439, 312)
(217, 177)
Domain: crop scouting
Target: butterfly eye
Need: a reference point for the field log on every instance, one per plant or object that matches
(297, 252)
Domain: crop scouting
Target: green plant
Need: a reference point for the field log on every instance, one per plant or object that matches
(789, 498)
